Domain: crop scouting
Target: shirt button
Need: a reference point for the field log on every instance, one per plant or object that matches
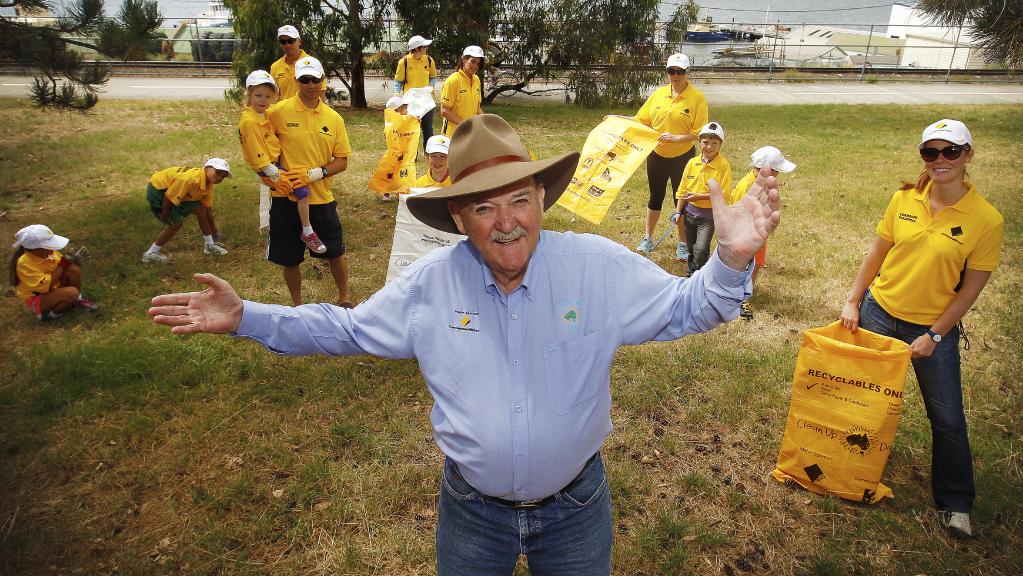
(515, 316)
(518, 408)
(515, 362)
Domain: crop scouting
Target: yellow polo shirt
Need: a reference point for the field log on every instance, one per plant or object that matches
(415, 73)
(684, 114)
(741, 187)
(463, 95)
(284, 76)
(184, 184)
(427, 181)
(309, 138)
(260, 146)
(35, 274)
(919, 276)
(696, 174)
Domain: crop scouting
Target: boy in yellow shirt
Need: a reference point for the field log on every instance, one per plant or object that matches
(174, 193)
(693, 212)
(437, 173)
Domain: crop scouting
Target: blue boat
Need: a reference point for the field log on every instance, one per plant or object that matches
(702, 32)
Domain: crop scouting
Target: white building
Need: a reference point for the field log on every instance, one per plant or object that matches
(930, 45)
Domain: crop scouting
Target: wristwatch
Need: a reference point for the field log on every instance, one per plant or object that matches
(934, 336)
(325, 173)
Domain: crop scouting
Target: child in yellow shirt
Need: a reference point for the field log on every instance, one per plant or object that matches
(174, 193)
(49, 282)
(693, 212)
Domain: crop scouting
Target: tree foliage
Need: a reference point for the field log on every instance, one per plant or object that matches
(997, 24)
(67, 81)
(336, 32)
(601, 50)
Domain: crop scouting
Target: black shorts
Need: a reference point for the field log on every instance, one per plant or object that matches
(286, 248)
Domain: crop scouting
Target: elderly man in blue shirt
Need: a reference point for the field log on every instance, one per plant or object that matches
(514, 331)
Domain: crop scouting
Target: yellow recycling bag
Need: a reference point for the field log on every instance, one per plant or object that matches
(396, 171)
(846, 400)
(612, 152)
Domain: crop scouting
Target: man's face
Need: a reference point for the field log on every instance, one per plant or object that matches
(504, 225)
(290, 46)
(438, 161)
(309, 87)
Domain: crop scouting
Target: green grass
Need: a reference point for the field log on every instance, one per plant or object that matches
(127, 450)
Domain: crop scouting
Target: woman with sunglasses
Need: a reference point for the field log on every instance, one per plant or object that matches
(936, 246)
(678, 111)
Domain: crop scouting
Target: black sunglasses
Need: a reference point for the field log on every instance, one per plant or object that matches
(284, 41)
(309, 80)
(677, 71)
(952, 152)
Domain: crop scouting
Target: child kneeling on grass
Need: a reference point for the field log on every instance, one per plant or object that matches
(693, 212)
(262, 152)
(47, 281)
(176, 192)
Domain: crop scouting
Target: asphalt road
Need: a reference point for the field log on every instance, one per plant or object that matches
(717, 92)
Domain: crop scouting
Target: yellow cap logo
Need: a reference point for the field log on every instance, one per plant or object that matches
(940, 125)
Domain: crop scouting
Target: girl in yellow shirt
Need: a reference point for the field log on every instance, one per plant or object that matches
(47, 281)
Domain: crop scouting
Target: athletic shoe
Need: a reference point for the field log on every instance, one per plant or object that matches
(682, 252)
(160, 257)
(645, 245)
(746, 313)
(48, 315)
(958, 524)
(313, 242)
(214, 250)
(387, 197)
(86, 304)
(218, 237)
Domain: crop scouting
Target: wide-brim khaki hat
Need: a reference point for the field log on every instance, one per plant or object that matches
(487, 154)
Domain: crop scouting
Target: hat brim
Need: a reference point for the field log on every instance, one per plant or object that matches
(555, 173)
(56, 242)
(786, 166)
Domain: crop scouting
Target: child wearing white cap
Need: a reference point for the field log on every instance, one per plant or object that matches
(693, 212)
(437, 175)
(396, 171)
(772, 158)
(262, 152)
(174, 193)
(48, 282)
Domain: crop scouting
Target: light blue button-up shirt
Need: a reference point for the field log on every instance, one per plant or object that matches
(520, 381)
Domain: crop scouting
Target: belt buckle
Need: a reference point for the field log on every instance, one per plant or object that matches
(527, 504)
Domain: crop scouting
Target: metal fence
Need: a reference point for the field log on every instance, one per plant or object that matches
(782, 51)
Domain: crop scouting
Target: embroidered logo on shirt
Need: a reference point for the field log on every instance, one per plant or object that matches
(464, 321)
(907, 217)
(569, 314)
(957, 231)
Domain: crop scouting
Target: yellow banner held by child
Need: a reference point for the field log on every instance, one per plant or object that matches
(613, 151)
(396, 171)
(846, 401)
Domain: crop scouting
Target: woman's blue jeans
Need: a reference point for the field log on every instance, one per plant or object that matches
(942, 392)
(568, 536)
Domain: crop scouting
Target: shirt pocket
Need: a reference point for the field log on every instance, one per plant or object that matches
(577, 370)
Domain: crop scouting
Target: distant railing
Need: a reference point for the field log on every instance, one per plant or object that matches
(780, 51)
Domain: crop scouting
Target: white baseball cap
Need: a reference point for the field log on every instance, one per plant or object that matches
(38, 236)
(308, 66)
(438, 143)
(714, 128)
(395, 102)
(474, 51)
(218, 164)
(952, 131)
(678, 61)
(288, 31)
(418, 42)
(258, 78)
(773, 158)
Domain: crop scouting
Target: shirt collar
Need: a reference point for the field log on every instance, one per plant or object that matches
(529, 280)
(202, 178)
(965, 204)
(301, 107)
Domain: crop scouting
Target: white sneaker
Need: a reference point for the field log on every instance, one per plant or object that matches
(156, 257)
(214, 250)
(958, 524)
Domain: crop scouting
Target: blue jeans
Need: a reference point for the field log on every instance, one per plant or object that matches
(941, 387)
(570, 535)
